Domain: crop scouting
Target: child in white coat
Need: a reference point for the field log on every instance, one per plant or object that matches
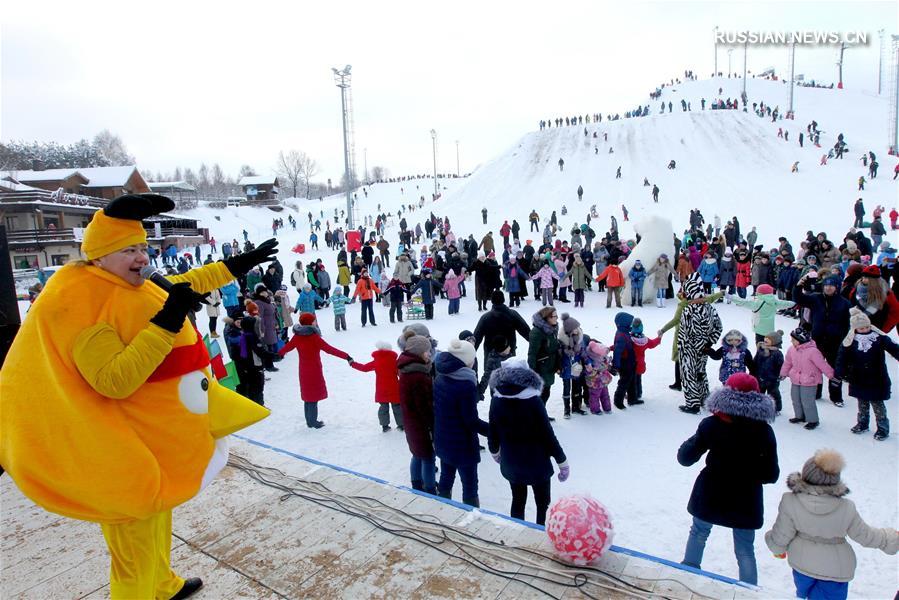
(812, 523)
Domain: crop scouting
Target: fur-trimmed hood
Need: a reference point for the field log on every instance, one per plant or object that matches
(306, 330)
(741, 346)
(540, 323)
(514, 379)
(749, 405)
(798, 485)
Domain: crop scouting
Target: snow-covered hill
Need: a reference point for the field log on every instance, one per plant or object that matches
(728, 163)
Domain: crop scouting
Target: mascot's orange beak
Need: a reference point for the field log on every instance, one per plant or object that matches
(230, 412)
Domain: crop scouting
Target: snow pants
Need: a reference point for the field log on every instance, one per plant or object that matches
(804, 406)
(819, 589)
(384, 414)
(141, 553)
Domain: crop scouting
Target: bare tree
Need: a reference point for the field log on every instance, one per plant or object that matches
(217, 181)
(246, 171)
(379, 173)
(309, 170)
(203, 179)
(290, 169)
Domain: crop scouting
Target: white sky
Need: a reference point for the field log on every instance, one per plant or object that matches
(235, 82)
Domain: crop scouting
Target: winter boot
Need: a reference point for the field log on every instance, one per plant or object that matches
(190, 587)
(811, 425)
(795, 420)
(881, 435)
(430, 490)
(859, 428)
(418, 485)
(385, 428)
(475, 502)
(693, 410)
(448, 494)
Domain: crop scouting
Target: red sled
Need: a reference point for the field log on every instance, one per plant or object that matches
(300, 248)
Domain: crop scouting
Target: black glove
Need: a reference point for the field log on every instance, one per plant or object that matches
(349, 360)
(181, 301)
(242, 263)
(613, 371)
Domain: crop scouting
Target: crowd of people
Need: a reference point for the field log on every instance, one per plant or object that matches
(843, 294)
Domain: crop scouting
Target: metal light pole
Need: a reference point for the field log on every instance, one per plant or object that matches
(843, 48)
(894, 135)
(730, 52)
(434, 150)
(745, 50)
(365, 163)
(792, 72)
(458, 173)
(715, 74)
(880, 62)
(343, 82)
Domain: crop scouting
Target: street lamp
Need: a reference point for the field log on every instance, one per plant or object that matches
(880, 62)
(715, 74)
(730, 51)
(434, 150)
(342, 79)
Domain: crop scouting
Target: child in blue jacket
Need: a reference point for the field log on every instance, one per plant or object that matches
(637, 276)
(624, 362)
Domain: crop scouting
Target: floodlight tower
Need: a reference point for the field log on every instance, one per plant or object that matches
(342, 79)
(434, 150)
(894, 95)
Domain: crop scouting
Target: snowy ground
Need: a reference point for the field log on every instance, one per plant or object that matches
(626, 459)
(728, 163)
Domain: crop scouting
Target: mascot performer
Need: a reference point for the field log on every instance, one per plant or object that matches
(700, 327)
(109, 410)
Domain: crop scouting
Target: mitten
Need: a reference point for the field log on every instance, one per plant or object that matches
(181, 301)
(564, 471)
(242, 263)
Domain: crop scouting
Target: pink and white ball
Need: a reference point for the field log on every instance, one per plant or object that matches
(579, 528)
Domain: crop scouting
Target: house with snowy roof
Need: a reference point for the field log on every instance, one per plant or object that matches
(260, 189)
(99, 182)
(44, 228)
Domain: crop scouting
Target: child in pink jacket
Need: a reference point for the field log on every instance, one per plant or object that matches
(804, 366)
(545, 275)
(451, 285)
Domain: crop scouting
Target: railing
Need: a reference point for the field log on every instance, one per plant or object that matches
(174, 232)
(53, 198)
(40, 236)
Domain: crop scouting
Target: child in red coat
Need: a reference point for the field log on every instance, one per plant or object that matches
(387, 386)
(308, 342)
(641, 345)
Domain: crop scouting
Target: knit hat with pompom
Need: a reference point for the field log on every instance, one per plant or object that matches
(307, 318)
(569, 323)
(462, 350)
(823, 468)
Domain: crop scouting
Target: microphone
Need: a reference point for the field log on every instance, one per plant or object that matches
(152, 274)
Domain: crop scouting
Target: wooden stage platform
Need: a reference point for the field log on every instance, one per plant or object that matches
(250, 540)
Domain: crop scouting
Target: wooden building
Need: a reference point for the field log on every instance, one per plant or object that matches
(260, 189)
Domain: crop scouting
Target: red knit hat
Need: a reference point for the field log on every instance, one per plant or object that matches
(765, 289)
(743, 382)
(307, 318)
(854, 269)
(252, 308)
(871, 271)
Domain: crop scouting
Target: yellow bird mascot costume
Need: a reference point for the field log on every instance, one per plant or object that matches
(108, 410)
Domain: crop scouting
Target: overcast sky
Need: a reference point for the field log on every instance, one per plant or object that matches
(190, 82)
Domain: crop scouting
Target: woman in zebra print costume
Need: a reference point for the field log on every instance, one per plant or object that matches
(700, 327)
